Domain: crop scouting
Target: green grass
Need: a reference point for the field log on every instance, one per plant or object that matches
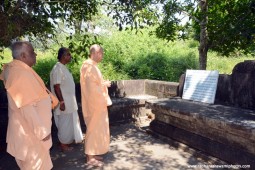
(224, 65)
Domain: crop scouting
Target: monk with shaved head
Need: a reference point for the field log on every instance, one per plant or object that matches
(29, 110)
(95, 100)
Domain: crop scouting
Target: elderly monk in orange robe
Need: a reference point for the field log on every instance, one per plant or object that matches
(29, 106)
(95, 100)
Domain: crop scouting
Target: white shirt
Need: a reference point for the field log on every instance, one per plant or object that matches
(61, 75)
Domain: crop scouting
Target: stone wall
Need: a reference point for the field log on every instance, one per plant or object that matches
(161, 89)
(129, 97)
(123, 88)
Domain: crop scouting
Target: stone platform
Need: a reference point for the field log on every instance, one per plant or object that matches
(221, 131)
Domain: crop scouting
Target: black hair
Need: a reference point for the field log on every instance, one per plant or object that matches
(61, 52)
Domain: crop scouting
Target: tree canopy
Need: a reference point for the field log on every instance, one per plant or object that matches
(220, 25)
(40, 18)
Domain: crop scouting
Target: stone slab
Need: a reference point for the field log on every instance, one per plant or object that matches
(241, 120)
(200, 85)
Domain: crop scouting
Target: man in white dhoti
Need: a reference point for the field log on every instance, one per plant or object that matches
(65, 115)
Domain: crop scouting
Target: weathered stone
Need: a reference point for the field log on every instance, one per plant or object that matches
(181, 85)
(223, 90)
(129, 108)
(224, 125)
(129, 97)
(209, 130)
(161, 89)
(243, 85)
(123, 88)
(223, 151)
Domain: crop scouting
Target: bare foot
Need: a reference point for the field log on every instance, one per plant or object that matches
(65, 147)
(97, 157)
(95, 163)
(100, 158)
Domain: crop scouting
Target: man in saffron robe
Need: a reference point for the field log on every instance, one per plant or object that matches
(29, 110)
(65, 115)
(95, 100)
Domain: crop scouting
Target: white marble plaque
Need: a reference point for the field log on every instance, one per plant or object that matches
(200, 85)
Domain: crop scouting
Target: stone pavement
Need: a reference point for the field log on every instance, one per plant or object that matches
(131, 148)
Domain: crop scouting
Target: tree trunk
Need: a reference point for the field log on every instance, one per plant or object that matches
(203, 47)
(77, 26)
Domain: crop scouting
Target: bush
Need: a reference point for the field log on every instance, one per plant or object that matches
(159, 66)
(142, 56)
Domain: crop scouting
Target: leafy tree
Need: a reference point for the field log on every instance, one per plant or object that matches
(220, 25)
(39, 18)
(228, 25)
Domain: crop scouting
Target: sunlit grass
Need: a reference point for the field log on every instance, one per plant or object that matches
(224, 65)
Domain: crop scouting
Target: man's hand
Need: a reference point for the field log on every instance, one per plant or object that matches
(62, 106)
(107, 83)
(58, 93)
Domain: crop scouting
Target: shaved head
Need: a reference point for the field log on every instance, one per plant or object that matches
(95, 48)
(96, 53)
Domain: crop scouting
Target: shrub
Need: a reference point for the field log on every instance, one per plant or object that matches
(159, 66)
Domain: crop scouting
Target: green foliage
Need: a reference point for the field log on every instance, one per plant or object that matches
(135, 13)
(157, 66)
(31, 18)
(144, 56)
(111, 73)
(139, 56)
(6, 57)
(74, 68)
(44, 64)
(227, 26)
(230, 26)
(79, 45)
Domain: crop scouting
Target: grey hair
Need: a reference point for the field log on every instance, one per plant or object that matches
(17, 48)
